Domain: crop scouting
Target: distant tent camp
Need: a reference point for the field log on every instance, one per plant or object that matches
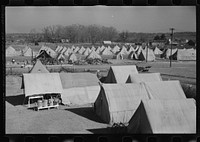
(120, 74)
(157, 51)
(72, 58)
(27, 51)
(118, 102)
(93, 55)
(184, 55)
(10, 51)
(79, 88)
(41, 83)
(164, 117)
(165, 90)
(150, 56)
(38, 68)
(144, 77)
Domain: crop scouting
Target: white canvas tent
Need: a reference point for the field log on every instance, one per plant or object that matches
(116, 49)
(81, 50)
(164, 117)
(38, 68)
(79, 88)
(27, 51)
(93, 55)
(72, 57)
(119, 74)
(117, 102)
(106, 51)
(87, 51)
(41, 83)
(144, 77)
(147, 54)
(10, 51)
(157, 51)
(185, 55)
(167, 53)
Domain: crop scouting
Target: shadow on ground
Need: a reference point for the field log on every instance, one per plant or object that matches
(16, 100)
(86, 112)
(109, 130)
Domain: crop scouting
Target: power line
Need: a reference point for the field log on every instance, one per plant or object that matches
(171, 29)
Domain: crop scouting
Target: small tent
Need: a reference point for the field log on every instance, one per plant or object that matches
(68, 52)
(164, 117)
(165, 90)
(58, 49)
(157, 51)
(93, 48)
(79, 88)
(87, 51)
(106, 51)
(167, 53)
(116, 49)
(10, 51)
(27, 51)
(147, 54)
(76, 49)
(41, 83)
(93, 55)
(184, 55)
(120, 74)
(72, 57)
(98, 50)
(38, 68)
(63, 50)
(144, 77)
(81, 50)
(61, 57)
(118, 102)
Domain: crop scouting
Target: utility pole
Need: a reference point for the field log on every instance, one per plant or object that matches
(171, 29)
(147, 51)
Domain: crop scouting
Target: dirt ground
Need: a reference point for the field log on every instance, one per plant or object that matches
(19, 119)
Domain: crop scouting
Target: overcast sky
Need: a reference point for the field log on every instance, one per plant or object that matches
(134, 19)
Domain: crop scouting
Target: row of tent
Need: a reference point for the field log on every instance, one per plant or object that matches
(116, 52)
(142, 101)
(26, 51)
(137, 52)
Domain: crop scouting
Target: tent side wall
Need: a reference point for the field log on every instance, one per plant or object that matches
(101, 107)
(139, 122)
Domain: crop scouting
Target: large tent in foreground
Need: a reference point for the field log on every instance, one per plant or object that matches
(79, 88)
(41, 83)
(119, 74)
(164, 117)
(38, 68)
(117, 102)
(144, 77)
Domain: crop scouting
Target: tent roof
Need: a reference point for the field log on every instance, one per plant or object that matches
(165, 116)
(39, 68)
(106, 51)
(165, 90)
(144, 77)
(119, 74)
(41, 83)
(72, 80)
